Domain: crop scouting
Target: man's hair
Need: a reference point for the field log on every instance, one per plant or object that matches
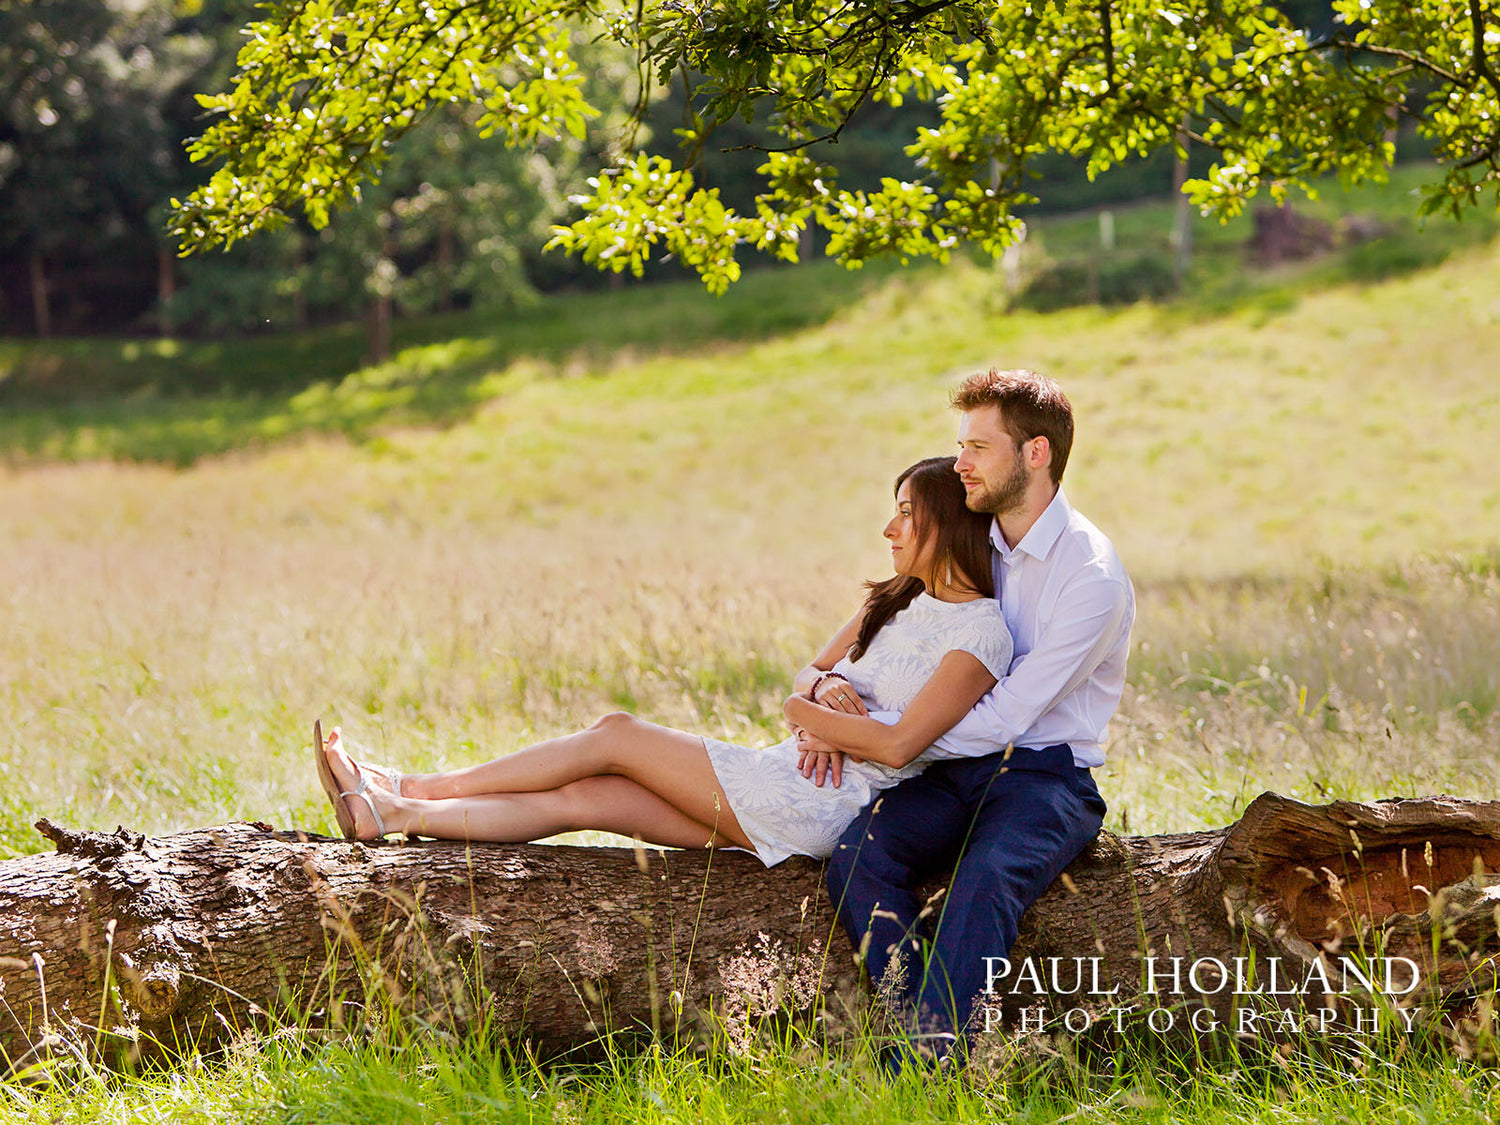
(1031, 405)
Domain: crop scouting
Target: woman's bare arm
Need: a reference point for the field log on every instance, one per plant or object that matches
(834, 651)
(958, 683)
(814, 763)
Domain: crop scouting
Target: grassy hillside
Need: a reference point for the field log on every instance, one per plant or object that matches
(674, 529)
(657, 501)
(176, 401)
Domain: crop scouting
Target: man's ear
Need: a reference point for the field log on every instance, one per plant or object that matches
(1040, 456)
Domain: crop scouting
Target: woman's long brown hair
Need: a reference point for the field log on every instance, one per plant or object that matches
(957, 534)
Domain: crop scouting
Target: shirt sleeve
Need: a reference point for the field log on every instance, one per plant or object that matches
(988, 640)
(1080, 632)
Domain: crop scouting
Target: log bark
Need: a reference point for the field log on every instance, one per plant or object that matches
(120, 942)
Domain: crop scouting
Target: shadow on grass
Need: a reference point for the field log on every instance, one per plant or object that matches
(174, 402)
(1405, 247)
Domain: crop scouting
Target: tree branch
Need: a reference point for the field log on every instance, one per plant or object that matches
(876, 72)
(1109, 43)
(1349, 46)
(1486, 155)
(1481, 62)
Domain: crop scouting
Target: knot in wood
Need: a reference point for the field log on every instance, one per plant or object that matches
(92, 845)
(155, 988)
(1106, 850)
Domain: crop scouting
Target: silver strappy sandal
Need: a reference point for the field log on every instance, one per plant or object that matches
(362, 791)
(392, 777)
(336, 796)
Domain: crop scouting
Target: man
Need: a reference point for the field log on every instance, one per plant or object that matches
(1017, 802)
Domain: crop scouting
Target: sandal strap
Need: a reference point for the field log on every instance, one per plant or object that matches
(393, 777)
(362, 791)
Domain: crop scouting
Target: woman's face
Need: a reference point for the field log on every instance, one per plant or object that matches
(909, 554)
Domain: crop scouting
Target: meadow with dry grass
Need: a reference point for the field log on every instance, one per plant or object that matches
(1304, 493)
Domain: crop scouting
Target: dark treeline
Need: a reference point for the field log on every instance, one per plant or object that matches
(97, 100)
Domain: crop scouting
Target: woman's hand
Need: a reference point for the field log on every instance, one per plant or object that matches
(960, 680)
(837, 694)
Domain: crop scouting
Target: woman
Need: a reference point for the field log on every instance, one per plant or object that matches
(927, 644)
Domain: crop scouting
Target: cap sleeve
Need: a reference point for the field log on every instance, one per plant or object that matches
(987, 638)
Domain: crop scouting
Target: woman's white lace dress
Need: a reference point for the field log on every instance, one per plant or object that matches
(782, 812)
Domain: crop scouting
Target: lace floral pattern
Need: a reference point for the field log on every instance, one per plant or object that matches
(782, 812)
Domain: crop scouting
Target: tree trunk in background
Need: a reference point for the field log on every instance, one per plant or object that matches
(166, 287)
(194, 935)
(299, 290)
(378, 329)
(382, 304)
(1182, 216)
(446, 257)
(41, 302)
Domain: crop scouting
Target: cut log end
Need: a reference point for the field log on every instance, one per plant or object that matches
(1350, 875)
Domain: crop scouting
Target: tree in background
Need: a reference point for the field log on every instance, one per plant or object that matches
(88, 152)
(447, 225)
(96, 103)
(324, 90)
(444, 228)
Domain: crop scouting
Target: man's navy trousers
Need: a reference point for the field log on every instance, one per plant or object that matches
(1006, 824)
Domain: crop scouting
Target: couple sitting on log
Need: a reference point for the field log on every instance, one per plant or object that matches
(954, 720)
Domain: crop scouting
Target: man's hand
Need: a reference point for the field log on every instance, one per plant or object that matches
(817, 760)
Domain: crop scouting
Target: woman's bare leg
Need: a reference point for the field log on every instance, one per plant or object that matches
(668, 764)
(609, 803)
(547, 765)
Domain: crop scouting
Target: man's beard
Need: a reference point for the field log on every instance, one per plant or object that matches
(1006, 497)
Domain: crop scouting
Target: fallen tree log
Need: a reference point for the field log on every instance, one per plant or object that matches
(188, 938)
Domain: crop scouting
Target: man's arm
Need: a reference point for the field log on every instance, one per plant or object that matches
(1085, 625)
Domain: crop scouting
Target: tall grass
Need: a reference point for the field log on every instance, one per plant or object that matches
(171, 683)
(291, 1077)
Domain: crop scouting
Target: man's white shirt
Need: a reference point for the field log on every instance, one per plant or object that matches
(1069, 605)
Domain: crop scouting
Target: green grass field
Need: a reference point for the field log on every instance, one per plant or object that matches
(657, 501)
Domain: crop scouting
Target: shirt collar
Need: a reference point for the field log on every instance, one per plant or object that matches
(1037, 542)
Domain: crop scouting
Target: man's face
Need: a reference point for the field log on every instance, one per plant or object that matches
(989, 463)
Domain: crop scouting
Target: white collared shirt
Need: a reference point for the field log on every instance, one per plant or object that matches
(1069, 605)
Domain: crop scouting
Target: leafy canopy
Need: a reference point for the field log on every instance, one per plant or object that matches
(326, 86)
